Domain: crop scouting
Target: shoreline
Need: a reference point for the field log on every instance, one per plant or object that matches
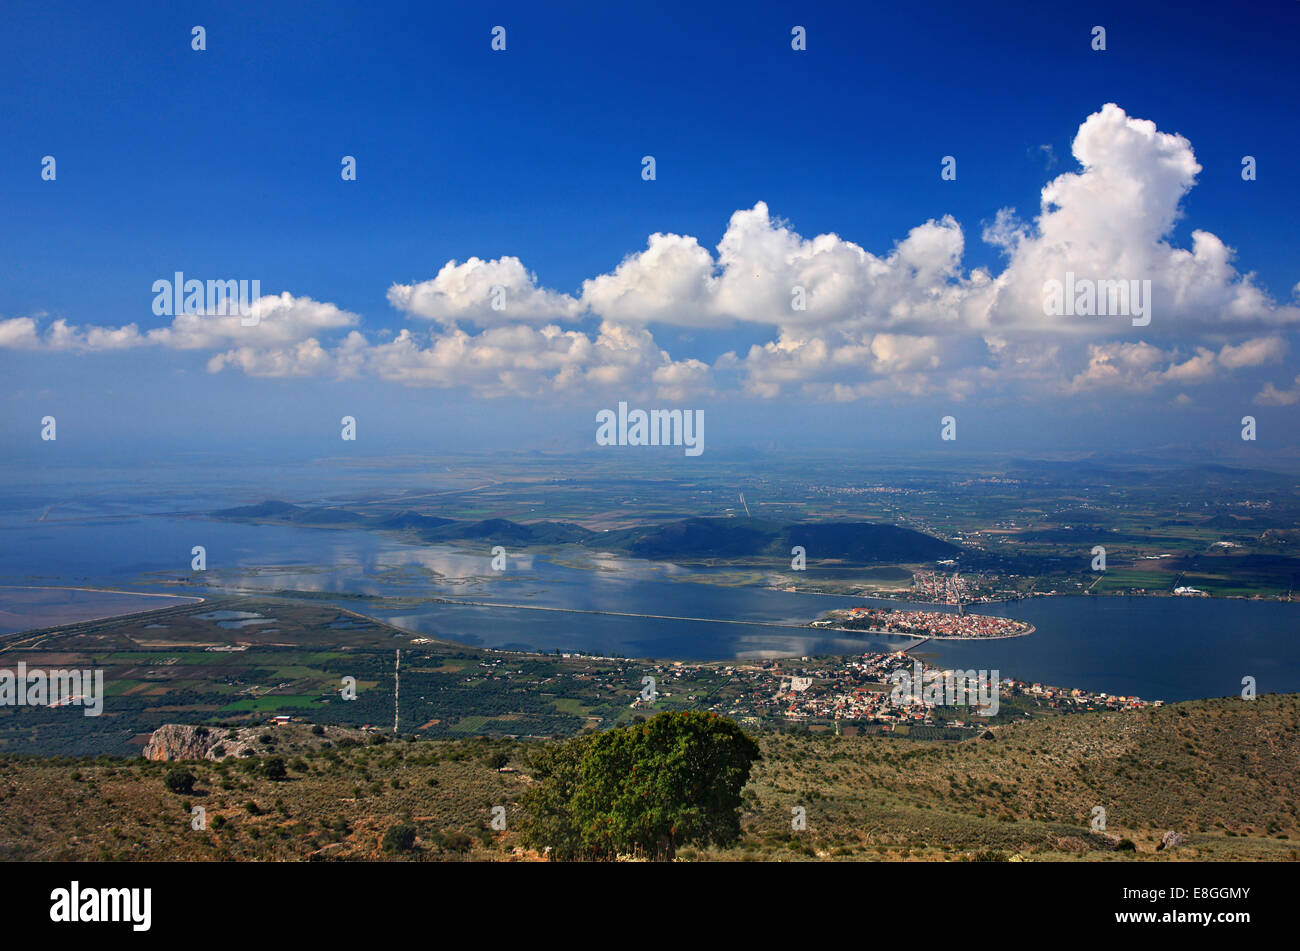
(654, 617)
(188, 598)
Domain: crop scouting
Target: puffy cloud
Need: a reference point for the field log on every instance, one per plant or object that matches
(683, 379)
(840, 322)
(672, 281)
(766, 273)
(1119, 364)
(301, 358)
(19, 333)
(1111, 221)
(487, 293)
(60, 335)
(274, 322)
(528, 361)
(494, 362)
(789, 359)
(1270, 395)
(1141, 366)
(1253, 353)
(894, 353)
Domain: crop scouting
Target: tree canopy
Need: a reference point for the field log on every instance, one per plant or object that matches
(650, 788)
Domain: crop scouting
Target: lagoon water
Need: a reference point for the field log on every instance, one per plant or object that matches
(1157, 648)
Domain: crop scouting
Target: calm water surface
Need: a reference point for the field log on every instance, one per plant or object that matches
(1162, 648)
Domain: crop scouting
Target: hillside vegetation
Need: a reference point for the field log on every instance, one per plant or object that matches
(1223, 774)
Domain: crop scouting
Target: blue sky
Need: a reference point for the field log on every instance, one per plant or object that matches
(225, 164)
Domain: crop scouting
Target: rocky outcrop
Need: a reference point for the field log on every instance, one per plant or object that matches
(176, 741)
(1104, 840)
(172, 741)
(1170, 840)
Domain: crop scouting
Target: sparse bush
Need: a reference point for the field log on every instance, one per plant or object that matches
(180, 781)
(399, 838)
(457, 842)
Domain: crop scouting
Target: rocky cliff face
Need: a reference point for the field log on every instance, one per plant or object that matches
(172, 741)
(175, 741)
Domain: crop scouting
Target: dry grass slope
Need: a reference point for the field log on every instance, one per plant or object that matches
(1221, 773)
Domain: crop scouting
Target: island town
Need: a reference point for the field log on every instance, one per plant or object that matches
(941, 625)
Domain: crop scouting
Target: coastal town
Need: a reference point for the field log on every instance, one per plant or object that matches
(860, 691)
(868, 693)
(940, 625)
(953, 587)
(857, 693)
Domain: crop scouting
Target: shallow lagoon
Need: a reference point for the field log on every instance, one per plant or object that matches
(1161, 648)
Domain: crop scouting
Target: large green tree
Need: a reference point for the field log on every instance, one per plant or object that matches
(651, 788)
(549, 822)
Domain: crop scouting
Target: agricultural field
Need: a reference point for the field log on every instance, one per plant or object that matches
(237, 660)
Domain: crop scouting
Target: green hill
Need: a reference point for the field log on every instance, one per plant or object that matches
(857, 542)
(691, 538)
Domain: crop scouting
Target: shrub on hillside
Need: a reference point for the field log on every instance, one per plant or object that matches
(180, 781)
(399, 838)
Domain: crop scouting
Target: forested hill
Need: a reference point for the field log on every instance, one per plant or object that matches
(699, 538)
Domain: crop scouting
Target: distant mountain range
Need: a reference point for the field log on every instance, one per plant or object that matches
(691, 538)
